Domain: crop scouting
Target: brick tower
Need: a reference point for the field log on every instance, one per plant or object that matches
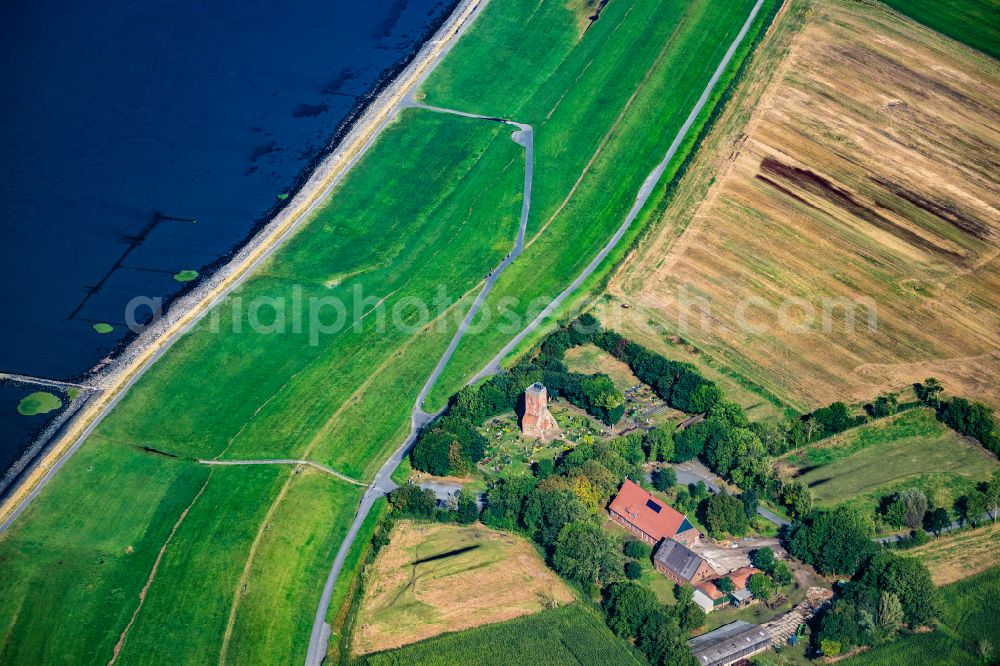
(537, 422)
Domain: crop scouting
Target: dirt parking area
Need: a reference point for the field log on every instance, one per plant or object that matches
(724, 556)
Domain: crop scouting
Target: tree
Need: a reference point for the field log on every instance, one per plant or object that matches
(973, 506)
(661, 640)
(834, 541)
(937, 520)
(915, 503)
(750, 501)
(506, 505)
(413, 501)
(690, 616)
(559, 505)
(725, 584)
(659, 445)
(890, 613)
(664, 479)
(630, 447)
(909, 580)
(468, 509)
(763, 559)
(760, 586)
(432, 453)
(603, 399)
(884, 405)
(724, 515)
(992, 493)
(638, 550)
(586, 554)
(829, 648)
(774, 436)
(545, 468)
(633, 571)
(782, 574)
(627, 606)
(797, 497)
(929, 392)
(690, 442)
(834, 418)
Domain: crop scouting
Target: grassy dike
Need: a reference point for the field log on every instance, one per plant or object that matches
(221, 557)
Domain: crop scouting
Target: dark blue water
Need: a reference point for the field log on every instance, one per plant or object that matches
(139, 139)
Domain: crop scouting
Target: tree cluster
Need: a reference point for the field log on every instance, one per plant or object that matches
(414, 502)
(451, 446)
(560, 512)
(888, 592)
(777, 570)
(633, 612)
(678, 384)
(972, 419)
(835, 541)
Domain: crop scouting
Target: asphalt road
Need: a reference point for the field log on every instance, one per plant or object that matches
(382, 484)
(688, 473)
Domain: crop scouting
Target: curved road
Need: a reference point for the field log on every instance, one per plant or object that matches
(382, 483)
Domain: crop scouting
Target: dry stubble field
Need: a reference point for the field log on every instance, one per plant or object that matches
(434, 578)
(861, 166)
(955, 557)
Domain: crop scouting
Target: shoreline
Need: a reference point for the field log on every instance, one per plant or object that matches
(187, 308)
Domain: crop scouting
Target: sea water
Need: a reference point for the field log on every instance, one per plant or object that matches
(143, 138)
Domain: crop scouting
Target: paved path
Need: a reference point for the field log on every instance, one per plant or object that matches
(950, 528)
(493, 367)
(321, 631)
(383, 483)
(287, 461)
(693, 472)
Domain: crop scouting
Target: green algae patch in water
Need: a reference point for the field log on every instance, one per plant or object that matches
(39, 402)
(186, 275)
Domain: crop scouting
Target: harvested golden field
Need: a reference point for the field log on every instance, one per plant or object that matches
(434, 578)
(954, 557)
(853, 171)
(590, 359)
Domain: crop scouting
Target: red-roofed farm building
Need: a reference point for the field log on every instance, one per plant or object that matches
(649, 518)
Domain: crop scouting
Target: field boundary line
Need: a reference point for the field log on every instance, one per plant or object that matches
(152, 573)
(288, 461)
(607, 137)
(234, 607)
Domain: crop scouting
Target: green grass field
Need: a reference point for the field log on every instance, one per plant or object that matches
(261, 395)
(877, 459)
(972, 22)
(569, 635)
(434, 202)
(968, 622)
(604, 108)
